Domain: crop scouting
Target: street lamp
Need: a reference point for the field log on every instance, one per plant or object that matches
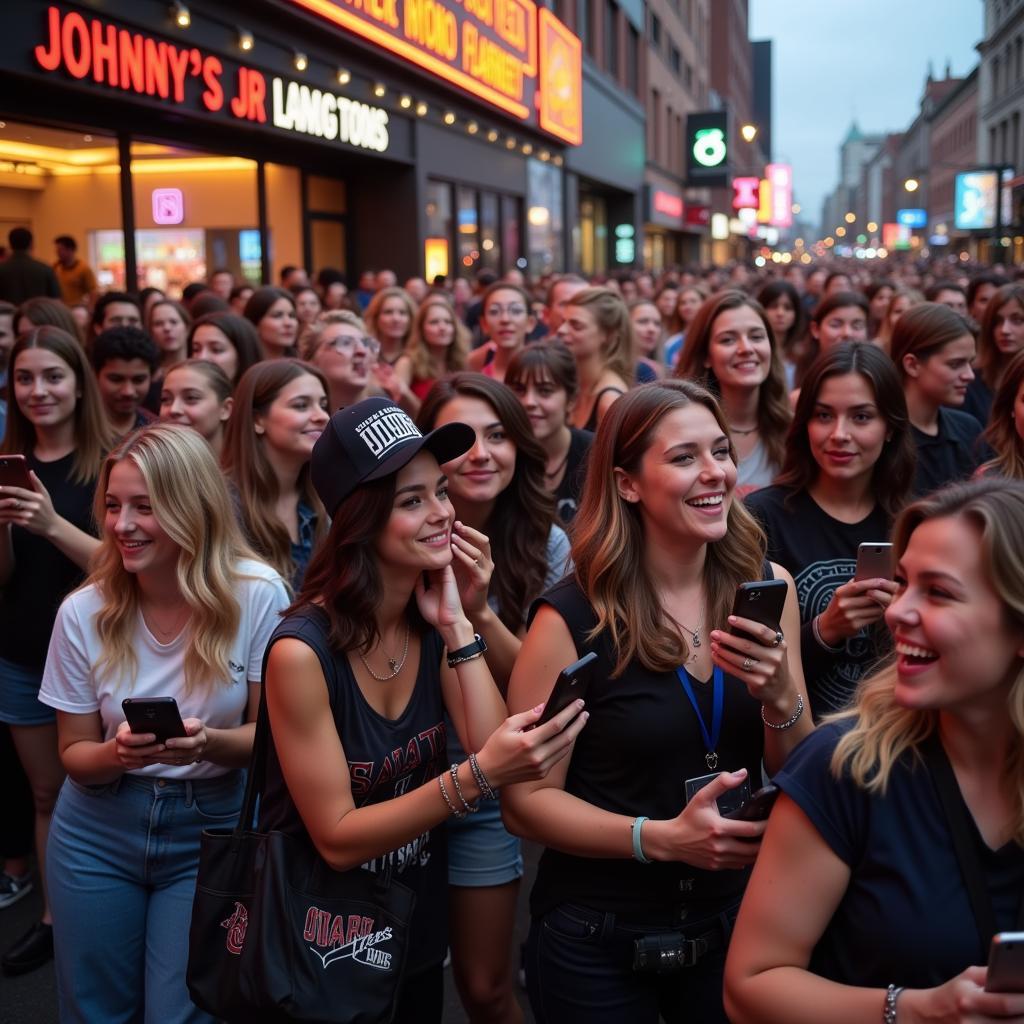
(749, 132)
(911, 184)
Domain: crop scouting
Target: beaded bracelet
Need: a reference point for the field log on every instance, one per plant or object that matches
(448, 799)
(481, 779)
(789, 722)
(469, 808)
(889, 1010)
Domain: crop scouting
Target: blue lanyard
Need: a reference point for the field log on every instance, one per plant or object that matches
(717, 701)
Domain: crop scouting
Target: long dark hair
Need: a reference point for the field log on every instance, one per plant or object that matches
(893, 473)
(239, 331)
(812, 348)
(773, 412)
(343, 577)
(992, 362)
(523, 515)
(782, 289)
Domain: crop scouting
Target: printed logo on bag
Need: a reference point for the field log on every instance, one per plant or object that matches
(236, 925)
(343, 937)
(385, 428)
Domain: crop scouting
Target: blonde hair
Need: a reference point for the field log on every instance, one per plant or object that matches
(417, 349)
(309, 340)
(191, 503)
(608, 535)
(882, 730)
(373, 310)
(612, 319)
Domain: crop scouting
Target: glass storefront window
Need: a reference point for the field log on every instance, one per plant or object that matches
(437, 256)
(57, 182)
(544, 218)
(490, 243)
(468, 228)
(593, 235)
(326, 209)
(510, 223)
(195, 213)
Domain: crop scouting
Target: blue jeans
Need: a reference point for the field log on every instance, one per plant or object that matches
(579, 969)
(121, 873)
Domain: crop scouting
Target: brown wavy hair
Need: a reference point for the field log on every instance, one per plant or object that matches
(612, 317)
(1001, 433)
(93, 435)
(608, 535)
(893, 473)
(246, 464)
(773, 409)
(417, 349)
(882, 730)
(524, 513)
(991, 362)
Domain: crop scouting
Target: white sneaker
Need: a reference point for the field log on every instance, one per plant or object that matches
(12, 887)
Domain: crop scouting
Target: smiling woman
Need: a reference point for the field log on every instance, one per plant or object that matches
(280, 410)
(858, 899)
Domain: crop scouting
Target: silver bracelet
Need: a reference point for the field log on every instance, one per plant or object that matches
(481, 780)
(889, 1010)
(821, 642)
(789, 722)
(448, 799)
(469, 808)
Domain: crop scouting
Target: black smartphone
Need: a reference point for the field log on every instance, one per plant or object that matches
(758, 807)
(1006, 963)
(158, 715)
(763, 602)
(14, 472)
(874, 562)
(571, 684)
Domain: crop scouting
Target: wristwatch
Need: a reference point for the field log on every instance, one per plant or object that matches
(467, 653)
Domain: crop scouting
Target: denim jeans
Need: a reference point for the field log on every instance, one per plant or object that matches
(579, 969)
(121, 873)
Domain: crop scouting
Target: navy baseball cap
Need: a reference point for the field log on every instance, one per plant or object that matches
(371, 440)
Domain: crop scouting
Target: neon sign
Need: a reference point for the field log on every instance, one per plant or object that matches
(90, 49)
(745, 193)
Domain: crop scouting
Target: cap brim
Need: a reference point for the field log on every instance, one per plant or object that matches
(445, 443)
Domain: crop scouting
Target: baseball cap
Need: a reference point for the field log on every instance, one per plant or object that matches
(371, 440)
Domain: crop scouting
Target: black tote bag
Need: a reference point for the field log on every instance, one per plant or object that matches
(277, 934)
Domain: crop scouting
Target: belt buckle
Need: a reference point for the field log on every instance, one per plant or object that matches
(693, 950)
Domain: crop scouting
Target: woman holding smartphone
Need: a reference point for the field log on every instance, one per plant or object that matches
(858, 900)
(660, 546)
(847, 474)
(56, 423)
(504, 512)
(175, 607)
(356, 673)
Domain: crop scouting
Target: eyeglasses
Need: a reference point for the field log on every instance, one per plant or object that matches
(517, 309)
(345, 342)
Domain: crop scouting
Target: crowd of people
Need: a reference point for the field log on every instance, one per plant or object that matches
(396, 512)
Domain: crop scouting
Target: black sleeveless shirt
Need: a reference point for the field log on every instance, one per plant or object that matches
(386, 758)
(633, 757)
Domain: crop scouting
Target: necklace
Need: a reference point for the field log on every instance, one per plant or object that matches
(394, 664)
(694, 636)
(164, 634)
(743, 433)
(551, 474)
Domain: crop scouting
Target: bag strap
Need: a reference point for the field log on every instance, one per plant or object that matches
(964, 843)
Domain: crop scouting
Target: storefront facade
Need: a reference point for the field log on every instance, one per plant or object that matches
(171, 141)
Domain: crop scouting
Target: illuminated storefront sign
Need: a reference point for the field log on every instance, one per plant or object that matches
(664, 208)
(912, 218)
(974, 204)
(745, 193)
(435, 258)
(168, 206)
(707, 149)
(780, 179)
(504, 52)
(101, 53)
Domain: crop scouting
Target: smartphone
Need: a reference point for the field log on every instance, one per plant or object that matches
(763, 602)
(1006, 963)
(874, 562)
(14, 472)
(571, 684)
(758, 807)
(158, 715)
(729, 803)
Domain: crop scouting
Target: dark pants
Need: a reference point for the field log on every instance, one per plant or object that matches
(579, 968)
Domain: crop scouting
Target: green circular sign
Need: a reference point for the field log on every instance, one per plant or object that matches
(709, 148)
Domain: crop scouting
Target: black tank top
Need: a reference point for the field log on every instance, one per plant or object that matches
(591, 423)
(386, 758)
(640, 745)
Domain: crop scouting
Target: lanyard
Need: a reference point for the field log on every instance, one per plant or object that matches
(717, 700)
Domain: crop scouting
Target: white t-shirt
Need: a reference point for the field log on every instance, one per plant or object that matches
(70, 682)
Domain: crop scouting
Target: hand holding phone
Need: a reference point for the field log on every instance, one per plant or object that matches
(14, 472)
(572, 684)
(156, 715)
(1006, 963)
(762, 602)
(758, 806)
(874, 562)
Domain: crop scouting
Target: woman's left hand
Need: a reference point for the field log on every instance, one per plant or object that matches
(760, 664)
(181, 750)
(32, 510)
(440, 604)
(473, 567)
